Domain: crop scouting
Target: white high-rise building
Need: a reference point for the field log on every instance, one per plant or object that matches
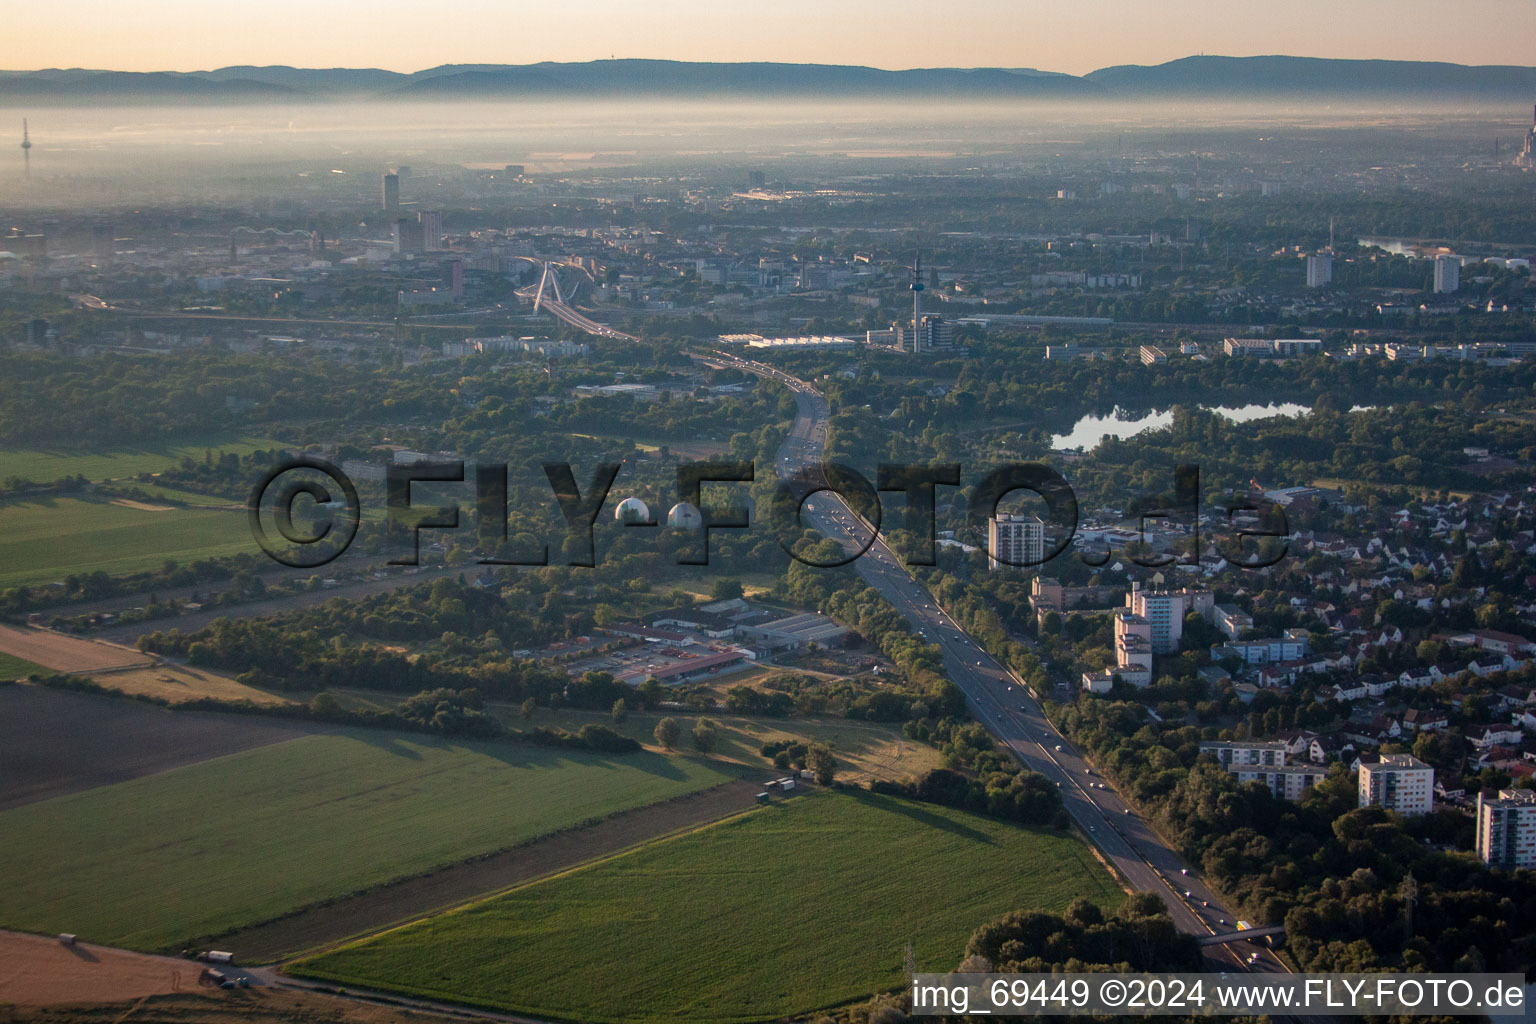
(1319, 270)
(1015, 540)
(1133, 649)
(1165, 611)
(1246, 753)
(1398, 782)
(431, 229)
(1288, 782)
(1506, 829)
(1447, 274)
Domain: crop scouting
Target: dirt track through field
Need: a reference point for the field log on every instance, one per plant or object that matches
(66, 653)
(393, 904)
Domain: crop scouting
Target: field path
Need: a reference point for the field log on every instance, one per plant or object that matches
(371, 911)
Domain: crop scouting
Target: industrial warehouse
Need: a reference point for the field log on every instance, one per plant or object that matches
(682, 644)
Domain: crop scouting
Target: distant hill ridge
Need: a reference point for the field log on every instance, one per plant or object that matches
(1208, 77)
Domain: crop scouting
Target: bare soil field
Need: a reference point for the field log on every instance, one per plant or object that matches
(379, 908)
(66, 653)
(110, 986)
(179, 683)
(39, 971)
(142, 506)
(54, 742)
(245, 1006)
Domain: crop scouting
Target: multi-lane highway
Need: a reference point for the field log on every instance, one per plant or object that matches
(1002, 703)
(582, 322)
(548, 296)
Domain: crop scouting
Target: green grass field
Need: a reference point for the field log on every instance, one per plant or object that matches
(154, 862)
(12, 667)
(47, 539)
(42, 465)
(801, 905)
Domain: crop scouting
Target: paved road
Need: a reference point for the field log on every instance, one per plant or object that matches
(1001, 702)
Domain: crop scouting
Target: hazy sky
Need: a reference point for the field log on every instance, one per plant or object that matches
(1060, 35)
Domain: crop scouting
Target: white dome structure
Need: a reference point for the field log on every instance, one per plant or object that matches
(632, 510)
(684, 516)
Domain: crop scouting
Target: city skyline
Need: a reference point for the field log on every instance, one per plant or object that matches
(900, 34)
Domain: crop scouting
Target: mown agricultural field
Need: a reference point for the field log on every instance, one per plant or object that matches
(202, 849)
(804, 904)
(49, 538)
(43, 465)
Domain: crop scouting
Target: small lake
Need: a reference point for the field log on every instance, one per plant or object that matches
(1087, 432)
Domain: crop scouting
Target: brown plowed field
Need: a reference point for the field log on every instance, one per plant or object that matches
(54, 742)
(38, 971)
(46, 983)
(66, 653)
